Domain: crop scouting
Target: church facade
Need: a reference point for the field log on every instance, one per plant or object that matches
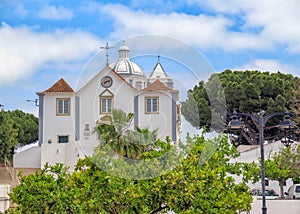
(68, 118)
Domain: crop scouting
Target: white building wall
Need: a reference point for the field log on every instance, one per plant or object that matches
(134, 79)
(275, 207)
(57, 125)
(72, 154)
(53, 153)
(29, 158)
(4, 197)
(90, 106)
(65, 153)
(161, 121)
(54, 126)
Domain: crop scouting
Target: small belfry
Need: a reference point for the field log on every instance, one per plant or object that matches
(159, 73)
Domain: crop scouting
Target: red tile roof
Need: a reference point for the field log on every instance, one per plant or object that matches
(60, 86)
(157, 85)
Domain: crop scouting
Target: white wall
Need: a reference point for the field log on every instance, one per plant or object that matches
(53, 126)
(4, 197)
(161, 121)
(276, 207)
(29, 158)
(66, 153)
(90, 105)
(135, 79)
(57, 125)
(53, 153)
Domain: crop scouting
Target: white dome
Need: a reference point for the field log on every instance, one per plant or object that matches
(124, 65)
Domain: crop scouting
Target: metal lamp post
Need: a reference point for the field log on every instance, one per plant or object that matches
(235, 125)
(287, 125)
(34, 101)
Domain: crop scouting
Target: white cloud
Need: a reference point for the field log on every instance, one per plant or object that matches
(204, 30)
(270, 65)
(237, 25)
(55, 13)
(24, 51)
(278, 19)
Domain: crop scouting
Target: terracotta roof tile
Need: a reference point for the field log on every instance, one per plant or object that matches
(60, 86)
(157, 85)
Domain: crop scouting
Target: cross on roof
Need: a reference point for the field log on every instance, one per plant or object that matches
(107, 47)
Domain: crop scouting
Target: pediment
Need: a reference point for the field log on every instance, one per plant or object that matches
(106, 119)
(106, 93)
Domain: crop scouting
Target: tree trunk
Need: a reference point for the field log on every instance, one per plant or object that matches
(281, 190)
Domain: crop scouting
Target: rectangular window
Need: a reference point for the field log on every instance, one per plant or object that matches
(63, 139)
(151, 105)
(106, 104)
(63, 106)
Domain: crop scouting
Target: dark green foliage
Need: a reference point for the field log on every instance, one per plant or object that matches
(253, 90)
(245, 91)
(27, 126)
(16, 129)
(8, 136)
(197, 102)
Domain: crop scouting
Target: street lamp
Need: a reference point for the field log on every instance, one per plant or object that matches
(235, 126)
(35, 101)
(287, 125)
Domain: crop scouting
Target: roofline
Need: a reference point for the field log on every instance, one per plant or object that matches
(59, 92)
(113, 71)
(161, 67)
(167, 88)
(121, 78)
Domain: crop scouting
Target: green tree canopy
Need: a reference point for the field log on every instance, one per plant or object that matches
(244, 91)
(197, 184)
(17, 128)
(282, 166)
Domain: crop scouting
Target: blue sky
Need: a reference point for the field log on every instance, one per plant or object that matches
(42, 41)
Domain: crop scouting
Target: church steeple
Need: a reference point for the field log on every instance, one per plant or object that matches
(159, 73)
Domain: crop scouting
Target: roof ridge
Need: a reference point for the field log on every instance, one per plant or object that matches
(154, 70)
(60, 86)
(157, 85)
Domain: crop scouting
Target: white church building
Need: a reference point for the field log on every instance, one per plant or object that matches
(67, 118)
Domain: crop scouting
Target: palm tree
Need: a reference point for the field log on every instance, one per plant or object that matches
(123, 138)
